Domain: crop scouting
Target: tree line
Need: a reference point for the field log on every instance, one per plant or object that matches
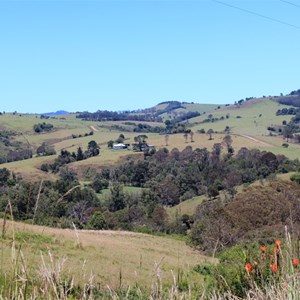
(104, 115)
(65, 157)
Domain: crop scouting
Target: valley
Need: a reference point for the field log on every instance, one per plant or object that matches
(166, 207)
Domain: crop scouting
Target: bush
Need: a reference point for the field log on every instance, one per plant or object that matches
(42, 127)
(202, 130)
(97, 222)
(45, 167)
(296, 178)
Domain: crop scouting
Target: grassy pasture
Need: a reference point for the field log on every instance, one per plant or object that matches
(114, 257)
(186, 207)
(250, 123)
(24, 122)
(202, 141)
(201, 108)
(19, 123)
(29, 167)
(109, 157)
(292, 152)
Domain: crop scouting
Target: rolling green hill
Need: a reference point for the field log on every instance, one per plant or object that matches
(114, 259)
(191, 174)
(247, 122)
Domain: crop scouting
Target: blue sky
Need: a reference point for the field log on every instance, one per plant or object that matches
(117, 55)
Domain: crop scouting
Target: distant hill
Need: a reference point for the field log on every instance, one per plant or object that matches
(59, 112)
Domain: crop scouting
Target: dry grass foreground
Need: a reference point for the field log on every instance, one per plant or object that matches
(115, 258)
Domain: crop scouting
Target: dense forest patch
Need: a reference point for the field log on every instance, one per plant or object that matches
(260, 213)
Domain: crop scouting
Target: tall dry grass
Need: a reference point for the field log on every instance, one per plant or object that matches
(51, 279)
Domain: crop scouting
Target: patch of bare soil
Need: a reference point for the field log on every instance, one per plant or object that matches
(93, 128)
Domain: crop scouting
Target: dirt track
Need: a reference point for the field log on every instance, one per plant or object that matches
(256, 140)
(93, 128)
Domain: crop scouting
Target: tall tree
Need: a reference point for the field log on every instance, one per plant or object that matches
(117, 198)
(227, 140)
(140, 142)
(185, 135)
(210, 133)
(192, 136)
(167, 139)
(93, 148)
(79, 155)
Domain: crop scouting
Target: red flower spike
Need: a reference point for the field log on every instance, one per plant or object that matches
(278, 243)
(263, 248)
(248, 268)
(274, 268)
(295, 262)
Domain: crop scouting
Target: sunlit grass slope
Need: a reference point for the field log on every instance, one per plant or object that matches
(251, 118)
(113, 257)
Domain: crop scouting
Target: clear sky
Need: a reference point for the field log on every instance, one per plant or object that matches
(117, 55)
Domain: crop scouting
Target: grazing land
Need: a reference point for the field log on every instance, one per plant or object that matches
(142, 202)
(114, 258)
(247, 124)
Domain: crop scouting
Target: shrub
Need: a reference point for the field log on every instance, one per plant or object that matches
(296, 178)
(97, 222)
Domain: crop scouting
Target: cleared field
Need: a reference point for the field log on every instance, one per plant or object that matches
(292, 151)
(115, 258)
(251, 118)
(109, 157)
(186, 207)
(202, 141)
(29, 167)
(201, 108)
(250, 130)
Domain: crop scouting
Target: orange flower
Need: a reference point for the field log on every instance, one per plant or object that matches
(274, 268)
(248, 267)
(295, 262)
(263, 248)
(278, 243)
(276, 250)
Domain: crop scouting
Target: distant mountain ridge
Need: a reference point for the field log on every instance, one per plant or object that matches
(58, 112)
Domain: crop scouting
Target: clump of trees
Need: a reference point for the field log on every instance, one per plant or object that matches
(75, 136)
(41, 127)
(15, 155)
(45, 150)
(259, 213)
(287, 111)
(105, 115)
(140, 143)
(66, 157)
(64, 202)
(119, 140)
(12, 150)
(174, 175)
(293, 99)
(164, 177)
(49, 203)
